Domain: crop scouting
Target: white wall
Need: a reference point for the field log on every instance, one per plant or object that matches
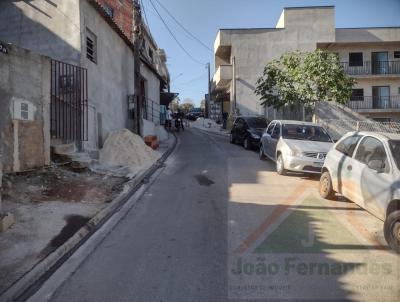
(152, 93)
(110, 80)
(50, 28)
(303, 28)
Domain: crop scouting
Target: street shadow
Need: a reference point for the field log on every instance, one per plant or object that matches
(298, 245)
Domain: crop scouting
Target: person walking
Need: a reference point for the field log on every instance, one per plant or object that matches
(168, 119)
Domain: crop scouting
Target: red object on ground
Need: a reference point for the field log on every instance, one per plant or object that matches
(152, 141)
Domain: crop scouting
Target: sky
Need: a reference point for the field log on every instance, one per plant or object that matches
(203, 18)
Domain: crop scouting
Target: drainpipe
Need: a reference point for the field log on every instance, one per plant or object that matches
(137, 41)
(234, 85)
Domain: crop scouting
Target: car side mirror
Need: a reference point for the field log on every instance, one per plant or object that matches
(377, 165)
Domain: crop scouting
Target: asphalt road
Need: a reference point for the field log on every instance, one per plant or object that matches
(172, 245)
(220, 224)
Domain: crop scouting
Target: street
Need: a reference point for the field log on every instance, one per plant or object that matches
(220, 224)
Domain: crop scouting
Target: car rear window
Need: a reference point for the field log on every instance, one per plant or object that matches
(395, 149)
(306, 132)
(257, 122)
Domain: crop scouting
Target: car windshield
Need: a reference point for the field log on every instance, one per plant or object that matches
(305, 132)
(257, 122)
(395, 148)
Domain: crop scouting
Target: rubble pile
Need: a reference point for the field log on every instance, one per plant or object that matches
(124, 148)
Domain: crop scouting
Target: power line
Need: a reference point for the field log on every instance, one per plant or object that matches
(192, 80)
(183, 27)
(173, 36)
(145, 15)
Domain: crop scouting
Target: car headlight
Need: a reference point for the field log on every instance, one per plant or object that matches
(255, 136)
(295, 153)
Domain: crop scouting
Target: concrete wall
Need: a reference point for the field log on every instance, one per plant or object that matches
(383, 34)
(152, 94)
(343, 50)
(24, 78)
(303, 28)
(51, 28)
(110, 79)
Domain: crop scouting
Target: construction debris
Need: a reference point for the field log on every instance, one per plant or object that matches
(125, 154)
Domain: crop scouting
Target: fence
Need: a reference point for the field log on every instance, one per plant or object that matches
(152, 111)
(337, 128)
(69, 101)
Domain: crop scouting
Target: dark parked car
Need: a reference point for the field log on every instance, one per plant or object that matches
(194, 113)
(247, 130)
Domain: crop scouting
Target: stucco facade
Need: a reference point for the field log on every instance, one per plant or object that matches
(24, 114)
(241, 54)
(60, 30)
(111, 77)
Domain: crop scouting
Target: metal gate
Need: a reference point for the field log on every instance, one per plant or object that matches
(69, 102)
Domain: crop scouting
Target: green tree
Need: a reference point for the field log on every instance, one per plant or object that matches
(174, 105)
(301, 78)
(185, 107)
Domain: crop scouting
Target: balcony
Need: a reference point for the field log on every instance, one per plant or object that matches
(372, 68)
(222, 45)
(222, 76)
(369, 103)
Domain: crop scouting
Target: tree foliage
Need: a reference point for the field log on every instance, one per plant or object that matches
(304, 78)
(174, 105)
(185, 107)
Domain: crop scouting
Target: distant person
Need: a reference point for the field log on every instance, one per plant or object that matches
(224, 119)
(168, 119)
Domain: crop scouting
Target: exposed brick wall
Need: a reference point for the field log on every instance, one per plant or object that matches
(122, 14)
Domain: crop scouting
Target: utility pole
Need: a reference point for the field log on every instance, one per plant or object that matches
(208, 100)
(234, 85)
(137, 43)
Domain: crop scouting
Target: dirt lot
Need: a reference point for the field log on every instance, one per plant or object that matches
(49, 205)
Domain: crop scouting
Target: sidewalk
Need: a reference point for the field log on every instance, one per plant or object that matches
(53, 204)
(209, 126)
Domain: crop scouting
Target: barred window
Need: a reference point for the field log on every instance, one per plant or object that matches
(91, 46)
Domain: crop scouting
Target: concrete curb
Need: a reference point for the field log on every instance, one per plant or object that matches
(33, 279)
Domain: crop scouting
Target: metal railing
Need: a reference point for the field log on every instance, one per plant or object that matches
(372, 68)
(151, 111)
(69, 102)
(369, 102)
(338, 128)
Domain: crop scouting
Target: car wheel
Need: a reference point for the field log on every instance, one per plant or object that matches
(232, 139)
(325, 186)
(391, 230)
(280, 166)
(261, 153)
(246, 143)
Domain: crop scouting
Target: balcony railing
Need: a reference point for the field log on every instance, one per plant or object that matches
(369, 102)
(372, 68)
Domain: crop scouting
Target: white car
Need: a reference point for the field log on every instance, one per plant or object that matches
(295, 146)
(365, 168)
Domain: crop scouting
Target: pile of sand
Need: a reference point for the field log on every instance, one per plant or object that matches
(124, 148)
(205, 123)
